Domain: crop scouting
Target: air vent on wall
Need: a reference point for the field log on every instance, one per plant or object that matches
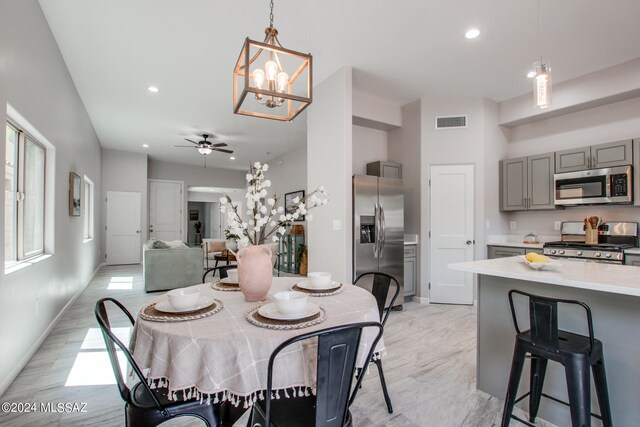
(451, 122)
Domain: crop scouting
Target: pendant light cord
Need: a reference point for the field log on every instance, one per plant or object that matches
(271, 15)
(538, 33)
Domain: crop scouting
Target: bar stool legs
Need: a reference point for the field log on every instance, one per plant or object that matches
(600, 380)
(538, 370)
(514, 381)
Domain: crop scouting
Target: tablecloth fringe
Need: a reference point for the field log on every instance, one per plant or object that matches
(235, 399)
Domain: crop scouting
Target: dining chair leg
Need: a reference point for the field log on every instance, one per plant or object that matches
(378, 363)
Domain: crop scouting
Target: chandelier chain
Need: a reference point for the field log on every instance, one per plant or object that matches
(271, 14)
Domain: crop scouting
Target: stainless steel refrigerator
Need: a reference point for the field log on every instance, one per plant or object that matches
(378, 227)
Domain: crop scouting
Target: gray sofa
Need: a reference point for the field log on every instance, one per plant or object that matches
(171, 268)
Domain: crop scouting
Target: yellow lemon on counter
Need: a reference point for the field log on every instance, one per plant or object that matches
(534, 257)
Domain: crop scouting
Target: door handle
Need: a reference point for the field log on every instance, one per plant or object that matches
(137, 231)
(383, 231)
(468, 242)
(376, 230)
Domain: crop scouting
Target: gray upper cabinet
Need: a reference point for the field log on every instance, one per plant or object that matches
(526, 183)
(607, 155)
(575, 159)
(513, 184)
(619, 153)
(540, 170)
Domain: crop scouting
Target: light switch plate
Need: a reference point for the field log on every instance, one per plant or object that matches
(337, 224)
(512, 225)
(487, 225)
(556, 225)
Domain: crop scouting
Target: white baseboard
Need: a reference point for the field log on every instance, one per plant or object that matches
(34, 348)
(421, 300)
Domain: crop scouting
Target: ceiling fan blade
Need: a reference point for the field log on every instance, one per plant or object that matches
(222, 150)
(220, 144)
(193, 142)
(185, 146)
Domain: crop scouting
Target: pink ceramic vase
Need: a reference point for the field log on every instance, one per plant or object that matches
(254, 272)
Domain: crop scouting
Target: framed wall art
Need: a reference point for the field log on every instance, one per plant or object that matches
(75, 187)
(289, 203)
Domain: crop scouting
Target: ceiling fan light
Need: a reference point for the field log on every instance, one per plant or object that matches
(204, 150)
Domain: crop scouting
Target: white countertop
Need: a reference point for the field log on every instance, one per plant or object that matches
(612, 278)
(517, 240)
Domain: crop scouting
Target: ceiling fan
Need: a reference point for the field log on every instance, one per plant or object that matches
(204, 146)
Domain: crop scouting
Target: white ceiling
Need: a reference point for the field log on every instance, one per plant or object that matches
(400, 51)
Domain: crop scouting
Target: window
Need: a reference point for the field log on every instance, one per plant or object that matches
(24, 196)
(88, 209)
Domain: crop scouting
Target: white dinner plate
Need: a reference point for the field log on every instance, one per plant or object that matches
(203, 302)
(270, 311)
(306, 284)
(551, 265)
(228, 281)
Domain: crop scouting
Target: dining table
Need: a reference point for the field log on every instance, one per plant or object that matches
(223, 357)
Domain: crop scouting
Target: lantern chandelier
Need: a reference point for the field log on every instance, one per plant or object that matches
(261, 85)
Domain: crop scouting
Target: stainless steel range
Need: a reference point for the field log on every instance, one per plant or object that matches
(613, 239)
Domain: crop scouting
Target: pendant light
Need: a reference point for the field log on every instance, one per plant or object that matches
(542, 77)
(270, 81)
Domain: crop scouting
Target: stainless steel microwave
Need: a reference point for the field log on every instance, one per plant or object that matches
(594, 186)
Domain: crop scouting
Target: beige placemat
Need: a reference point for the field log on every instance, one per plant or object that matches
(319, 293)
(219, 286)
(257, 319)
(149, 312)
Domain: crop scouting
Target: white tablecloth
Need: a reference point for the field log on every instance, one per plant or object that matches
(225, 357)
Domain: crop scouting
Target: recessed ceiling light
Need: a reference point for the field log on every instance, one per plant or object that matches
(232, 158)
(531, 74)
(153, 89)
(145, 145)
(472, 33)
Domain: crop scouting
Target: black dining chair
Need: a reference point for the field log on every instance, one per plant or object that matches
(380, 290)
(146, 407)
(222, 270)
(337, 348)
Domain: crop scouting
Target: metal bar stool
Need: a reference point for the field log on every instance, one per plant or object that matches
(577, 353)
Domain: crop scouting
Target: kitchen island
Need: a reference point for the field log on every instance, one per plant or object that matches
(612, 292)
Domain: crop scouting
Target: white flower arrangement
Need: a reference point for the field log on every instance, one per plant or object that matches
(265, 219)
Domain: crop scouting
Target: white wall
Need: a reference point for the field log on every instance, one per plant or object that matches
(288, 172)
(369, 145)
(196, 176)
(35, 81)
(124, 171)
(329, 151)
(607, 123)
(372, 112)
(449, 147)
(404, 148)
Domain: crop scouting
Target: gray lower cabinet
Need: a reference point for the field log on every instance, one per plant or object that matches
(526, 183)
(628, 260)
(618, 153)
(496, 251)
(410, 270)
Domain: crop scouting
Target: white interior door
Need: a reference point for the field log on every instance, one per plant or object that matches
(165, 210)
(123, 227)
(216, 223)
(452, 233)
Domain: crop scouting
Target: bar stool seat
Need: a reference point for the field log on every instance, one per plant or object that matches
(577, 353)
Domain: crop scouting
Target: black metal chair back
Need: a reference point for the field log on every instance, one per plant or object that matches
(223, 271)
(145, 407)
(111, 341)
(380, 290)
(543, 319)
(336, 364)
